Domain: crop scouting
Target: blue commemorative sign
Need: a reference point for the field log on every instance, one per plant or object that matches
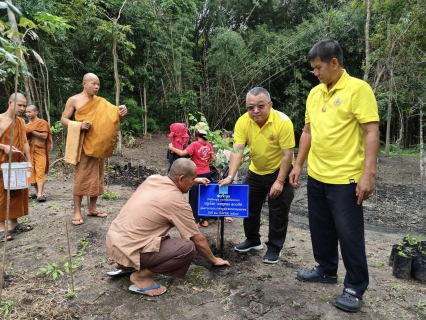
(227, 201)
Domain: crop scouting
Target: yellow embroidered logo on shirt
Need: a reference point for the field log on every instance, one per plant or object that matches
(337, 102)
(272, 138)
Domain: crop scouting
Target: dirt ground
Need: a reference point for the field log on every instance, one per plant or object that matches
(248, 289)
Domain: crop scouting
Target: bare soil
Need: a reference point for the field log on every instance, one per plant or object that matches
(248, 289)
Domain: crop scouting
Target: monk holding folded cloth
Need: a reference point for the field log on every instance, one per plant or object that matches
(91, 138)
(39, 137)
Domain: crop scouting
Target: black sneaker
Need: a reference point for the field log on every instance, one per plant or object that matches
(315, 275)
(248, 245)
(348, 301)
(271, 256)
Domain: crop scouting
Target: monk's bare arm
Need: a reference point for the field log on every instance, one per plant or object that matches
(68, 111)
(70, 108)
(27, 149)
(40, 134)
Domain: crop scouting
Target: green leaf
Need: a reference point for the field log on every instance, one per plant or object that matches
(5, 5)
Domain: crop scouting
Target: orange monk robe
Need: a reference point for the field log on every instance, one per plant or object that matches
(41, 126)
(18, 198)
(98, 143)
(99, 140)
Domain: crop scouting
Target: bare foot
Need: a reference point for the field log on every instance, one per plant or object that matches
(142, 279)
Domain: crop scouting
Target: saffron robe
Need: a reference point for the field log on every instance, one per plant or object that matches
(39, 153)
(98, 143)
(99, 140)
(18, 198)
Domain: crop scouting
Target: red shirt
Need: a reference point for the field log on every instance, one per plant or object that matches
(200, 152)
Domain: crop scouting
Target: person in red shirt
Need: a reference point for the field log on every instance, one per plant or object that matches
(202, 154)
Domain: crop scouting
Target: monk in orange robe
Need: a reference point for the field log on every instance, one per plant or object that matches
(96, 125)
(18, 198)
(39, 137)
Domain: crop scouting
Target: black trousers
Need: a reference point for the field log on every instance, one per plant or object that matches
(334, 216)
(193, 196)
(259, 188)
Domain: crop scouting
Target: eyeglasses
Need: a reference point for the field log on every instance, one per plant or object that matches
(259, 107)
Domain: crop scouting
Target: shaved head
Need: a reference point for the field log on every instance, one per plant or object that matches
(32, 107)
(89, 76)
(181, 167)
(17, 96)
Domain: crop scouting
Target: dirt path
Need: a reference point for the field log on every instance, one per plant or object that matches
(247, 290)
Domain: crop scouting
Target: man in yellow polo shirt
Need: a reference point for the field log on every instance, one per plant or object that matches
(341, 141)
(270, 137)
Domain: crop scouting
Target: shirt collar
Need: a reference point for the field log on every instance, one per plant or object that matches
(339, 85)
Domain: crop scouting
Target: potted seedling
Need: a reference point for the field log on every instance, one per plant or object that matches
(411, 241)
(402, 263)
(418, 268)
(395, 249)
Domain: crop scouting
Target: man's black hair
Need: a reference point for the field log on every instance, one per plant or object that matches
(326, 50)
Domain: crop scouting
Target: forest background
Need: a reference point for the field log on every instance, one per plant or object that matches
(167, 59)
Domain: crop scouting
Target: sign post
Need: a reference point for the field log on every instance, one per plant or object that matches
(221, 202)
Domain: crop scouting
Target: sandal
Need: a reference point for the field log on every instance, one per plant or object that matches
(41, 199)
(21, 228)
(97, 214)
(77, 222)
(33, 196)
(2, 239)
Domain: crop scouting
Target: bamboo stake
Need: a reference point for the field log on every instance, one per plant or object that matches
(8, 182)
(69, 255)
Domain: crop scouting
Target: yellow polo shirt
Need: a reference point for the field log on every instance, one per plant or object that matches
(266, 143)
(336, 155)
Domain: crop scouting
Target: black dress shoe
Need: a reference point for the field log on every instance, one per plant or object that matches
(315, 275)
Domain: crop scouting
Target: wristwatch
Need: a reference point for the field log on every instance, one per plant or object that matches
(230, 177)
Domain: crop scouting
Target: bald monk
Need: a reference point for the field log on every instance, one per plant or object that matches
(18, 198)
(137, 239)
(39, 137)
(98, 122)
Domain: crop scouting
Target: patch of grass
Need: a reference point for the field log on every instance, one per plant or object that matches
(101, 261)
(295, 304)
(420, 305)
(414, 151)
(110, 195)
(197, 276)
(5, 307)
(379, 265)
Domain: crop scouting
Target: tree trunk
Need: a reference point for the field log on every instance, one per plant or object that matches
(367, 42)
(389, 118)
(145, 116)
(422, 151)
